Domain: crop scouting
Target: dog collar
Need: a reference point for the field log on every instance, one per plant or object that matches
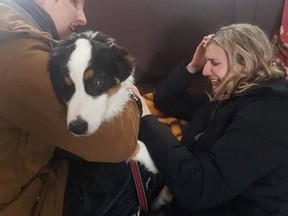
(135, 97)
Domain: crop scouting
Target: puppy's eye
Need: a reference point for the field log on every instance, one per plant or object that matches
(95, 86)
(96, 83)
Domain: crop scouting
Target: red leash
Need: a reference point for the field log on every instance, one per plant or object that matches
(139, 186)
(134, 166)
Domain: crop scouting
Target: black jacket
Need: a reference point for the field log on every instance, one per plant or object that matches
(234, 160)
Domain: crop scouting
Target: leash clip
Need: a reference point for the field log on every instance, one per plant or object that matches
(135, 97)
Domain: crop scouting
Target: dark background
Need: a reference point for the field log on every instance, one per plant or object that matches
(160, 34)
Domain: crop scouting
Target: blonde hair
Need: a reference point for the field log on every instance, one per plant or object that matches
(249, 54)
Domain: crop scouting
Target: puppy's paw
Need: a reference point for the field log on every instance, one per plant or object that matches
(161, 200)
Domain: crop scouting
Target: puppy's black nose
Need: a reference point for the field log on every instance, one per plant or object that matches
(78, 126)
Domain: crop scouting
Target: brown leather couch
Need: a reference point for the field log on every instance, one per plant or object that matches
(163, 33)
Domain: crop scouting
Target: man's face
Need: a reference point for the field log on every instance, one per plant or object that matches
(66, 14)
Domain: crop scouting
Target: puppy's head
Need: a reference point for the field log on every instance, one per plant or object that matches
(88, 72)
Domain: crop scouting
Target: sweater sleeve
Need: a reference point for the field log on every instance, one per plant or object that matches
(249, 149)
(172, 98)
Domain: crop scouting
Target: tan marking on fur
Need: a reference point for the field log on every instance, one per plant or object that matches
(115, 89)
(88, 74)
(68, 81)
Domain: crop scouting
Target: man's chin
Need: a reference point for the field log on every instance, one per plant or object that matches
(65, 35)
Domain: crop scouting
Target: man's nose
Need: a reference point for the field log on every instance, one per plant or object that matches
(81, 18)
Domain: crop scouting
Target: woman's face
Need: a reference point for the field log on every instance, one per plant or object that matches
(66, 14)
(216, 66)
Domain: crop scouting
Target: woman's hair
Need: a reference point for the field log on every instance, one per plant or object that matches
(249, 54)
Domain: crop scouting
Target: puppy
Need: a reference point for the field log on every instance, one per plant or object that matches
(90, 68)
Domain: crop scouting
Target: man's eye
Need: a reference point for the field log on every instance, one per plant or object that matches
(74, 2)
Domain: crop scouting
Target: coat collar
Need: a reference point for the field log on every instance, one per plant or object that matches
(35, 14)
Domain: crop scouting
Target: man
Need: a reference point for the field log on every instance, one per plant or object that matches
(32, 122)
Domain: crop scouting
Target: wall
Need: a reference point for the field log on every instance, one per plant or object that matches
(162, 33)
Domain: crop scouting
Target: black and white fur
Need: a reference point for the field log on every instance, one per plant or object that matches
(92, 76)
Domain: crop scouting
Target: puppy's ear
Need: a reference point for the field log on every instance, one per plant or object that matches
(54, 68)
(57, 66)
(124, 61)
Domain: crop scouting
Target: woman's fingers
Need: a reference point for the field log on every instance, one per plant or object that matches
(206, 39)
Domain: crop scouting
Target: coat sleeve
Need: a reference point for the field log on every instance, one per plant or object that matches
(172, 98)
(253, 145)
(28, 101)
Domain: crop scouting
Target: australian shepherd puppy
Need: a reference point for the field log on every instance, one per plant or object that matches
(92, 76)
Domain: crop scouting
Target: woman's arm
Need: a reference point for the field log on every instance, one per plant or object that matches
(172, 98)
(250, 147)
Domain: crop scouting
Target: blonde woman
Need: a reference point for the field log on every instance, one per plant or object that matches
(233, 159)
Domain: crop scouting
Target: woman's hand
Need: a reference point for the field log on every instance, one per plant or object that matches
(145, 108)
(198, 60)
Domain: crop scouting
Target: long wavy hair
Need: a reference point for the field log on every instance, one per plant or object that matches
(249, 54)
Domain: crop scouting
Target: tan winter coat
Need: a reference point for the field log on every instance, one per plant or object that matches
(32, 123)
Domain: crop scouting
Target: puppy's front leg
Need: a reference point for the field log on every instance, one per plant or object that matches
(142, 155)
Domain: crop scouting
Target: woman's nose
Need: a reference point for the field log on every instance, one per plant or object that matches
(206, 70)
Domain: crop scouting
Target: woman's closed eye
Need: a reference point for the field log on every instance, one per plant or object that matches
(215, 63)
